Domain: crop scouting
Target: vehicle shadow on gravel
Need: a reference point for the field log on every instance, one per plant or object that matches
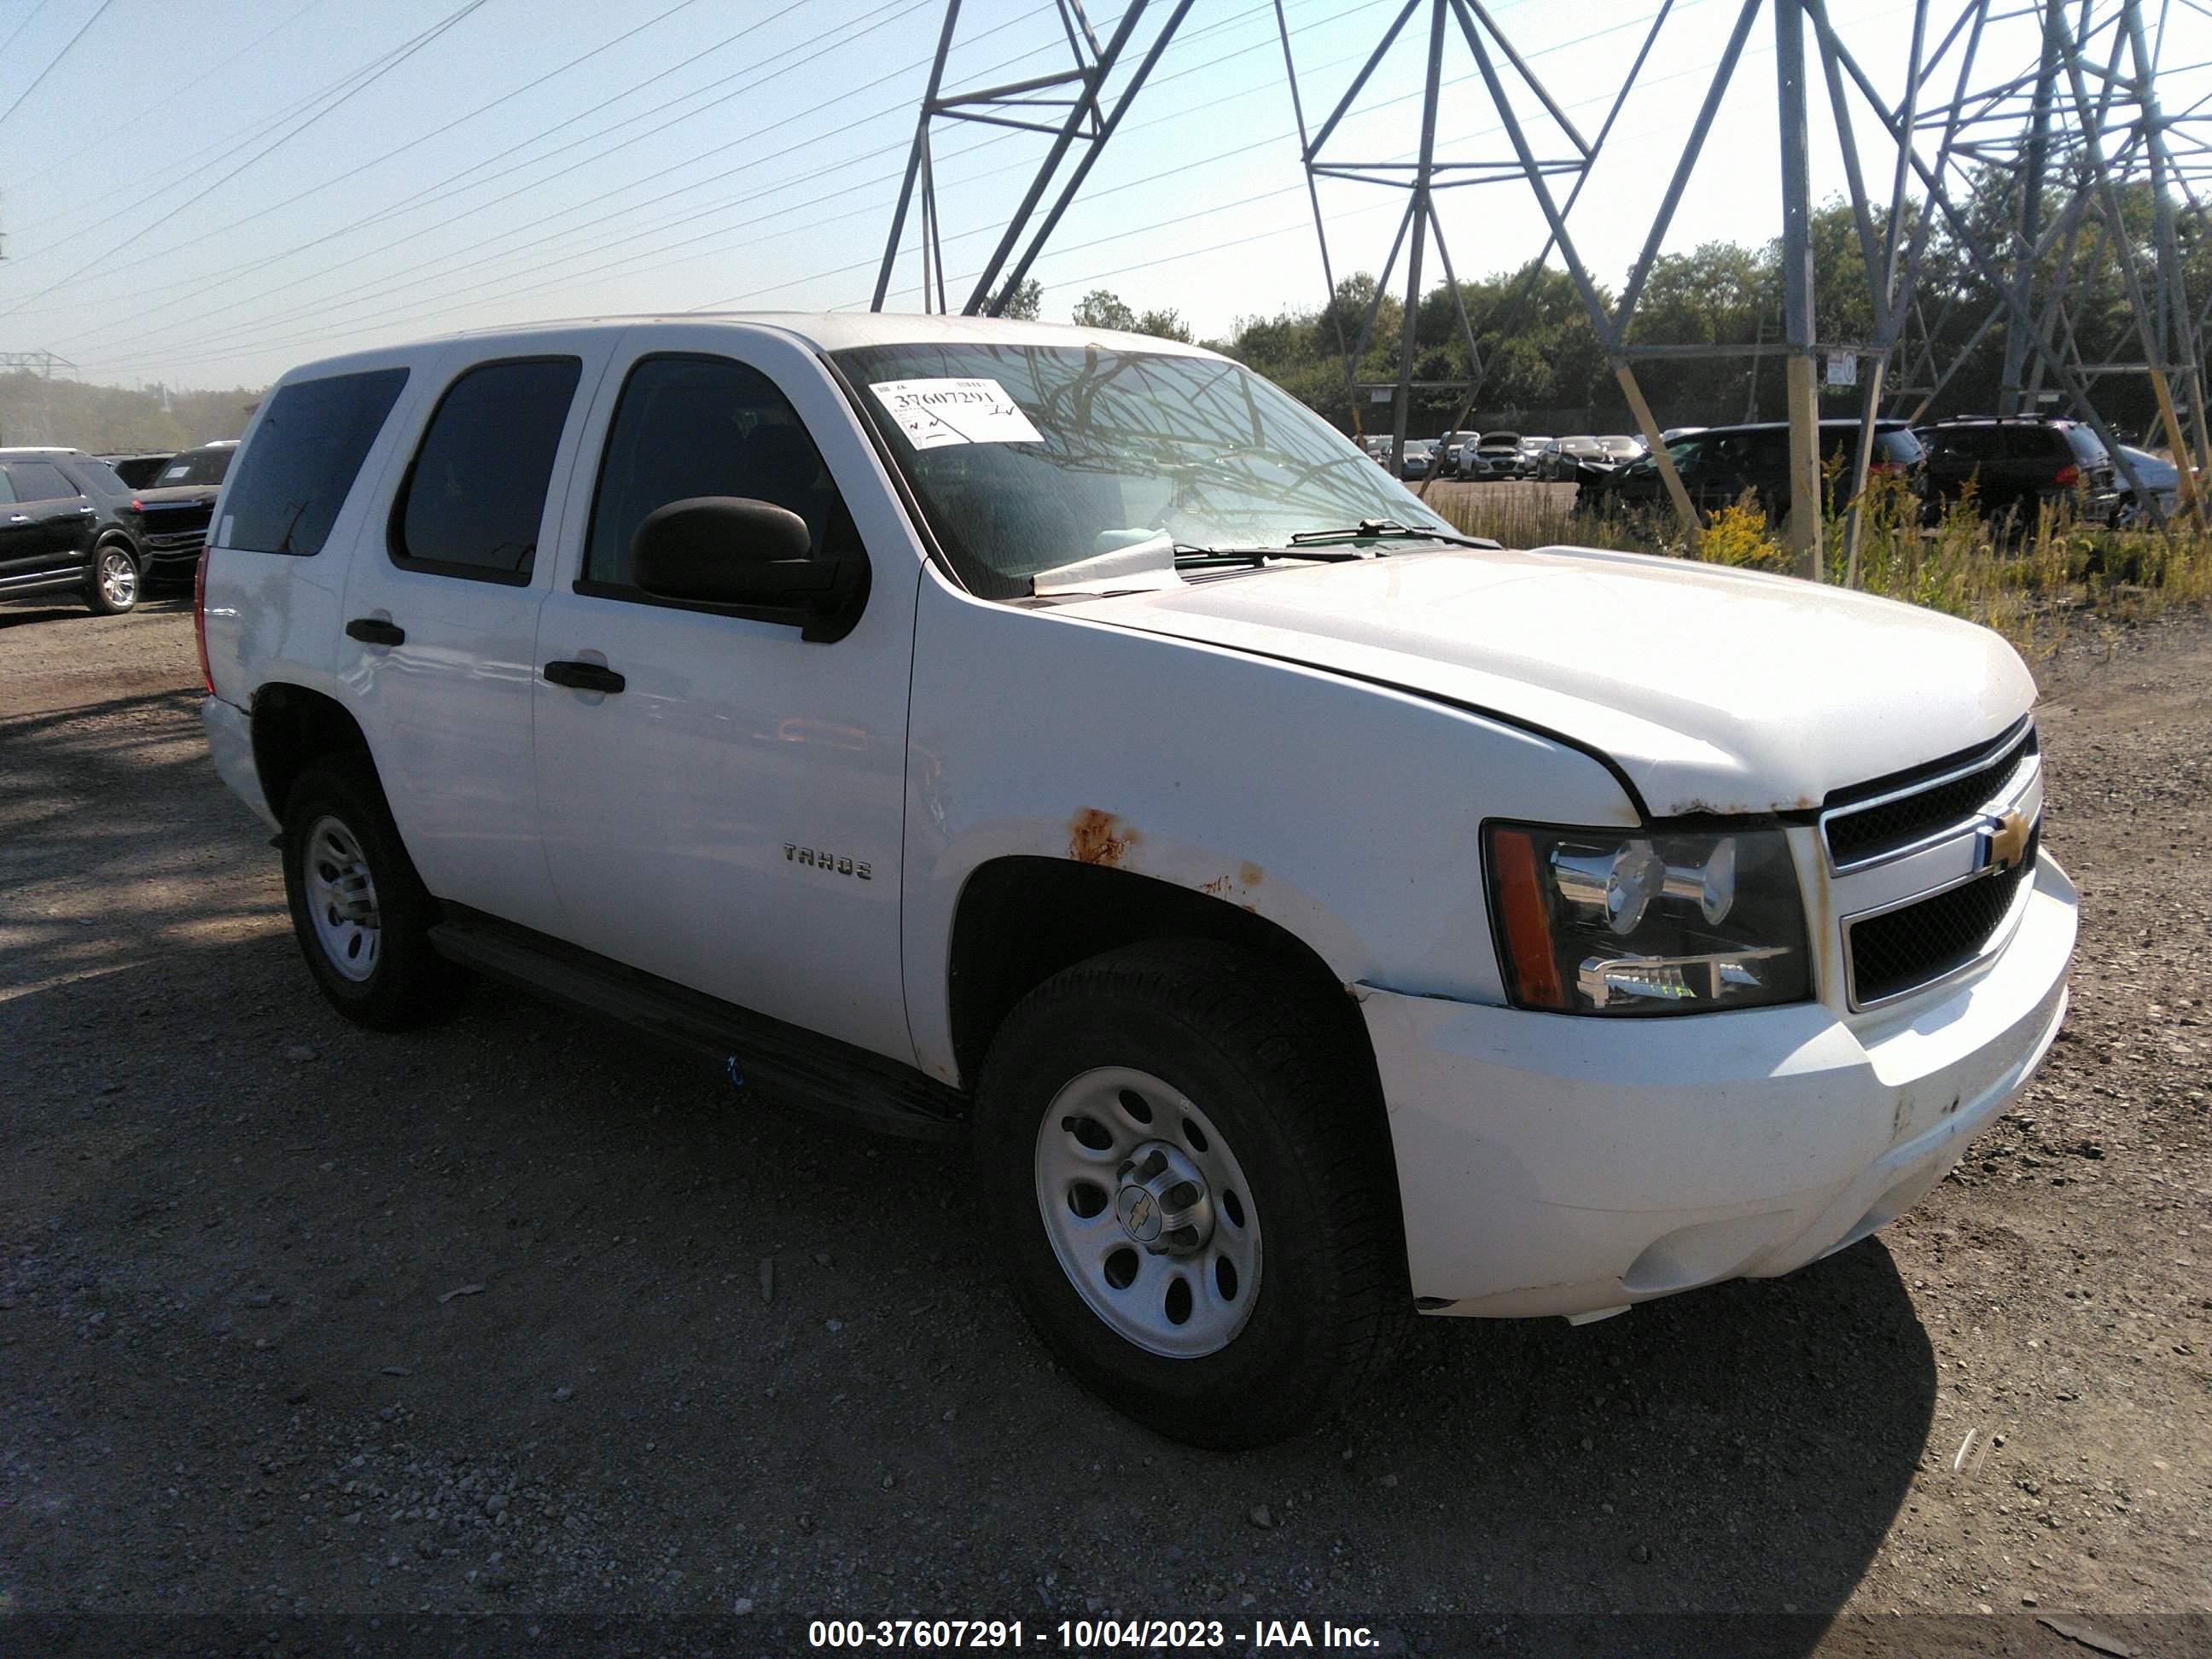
(351, 1286)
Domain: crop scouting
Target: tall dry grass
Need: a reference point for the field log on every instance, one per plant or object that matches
(2032, 579)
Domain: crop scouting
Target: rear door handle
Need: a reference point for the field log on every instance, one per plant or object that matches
(585, 675)
(373, 630)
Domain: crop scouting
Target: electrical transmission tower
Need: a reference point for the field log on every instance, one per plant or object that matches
(2017, 164)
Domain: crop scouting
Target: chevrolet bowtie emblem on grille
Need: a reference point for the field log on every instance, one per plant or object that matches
(2008, 841)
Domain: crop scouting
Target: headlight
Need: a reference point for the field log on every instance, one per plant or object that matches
(1595, 921)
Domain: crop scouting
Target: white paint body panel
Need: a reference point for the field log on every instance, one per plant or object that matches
(1319, 745)
(666, 809)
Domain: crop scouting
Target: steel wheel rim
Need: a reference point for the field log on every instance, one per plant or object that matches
(1090, 1132)
(119, 577)
(341, 899)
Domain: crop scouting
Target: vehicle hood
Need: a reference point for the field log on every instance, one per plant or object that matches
(179, 495)
(1713, 689)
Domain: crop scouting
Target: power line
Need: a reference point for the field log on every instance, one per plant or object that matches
(148, 111)
(436, 192)
(39, 79)
(25, 24)
(412, 47)
(414, 279)
(442, 304)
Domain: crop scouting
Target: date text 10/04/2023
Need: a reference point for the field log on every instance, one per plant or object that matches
(1084, 1635)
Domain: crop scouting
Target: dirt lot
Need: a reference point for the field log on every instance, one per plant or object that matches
(523, 1316)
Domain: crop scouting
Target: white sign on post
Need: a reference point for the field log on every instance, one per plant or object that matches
(1843, 368)
(935, 413)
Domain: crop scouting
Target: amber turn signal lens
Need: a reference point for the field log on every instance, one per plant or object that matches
(1527, 923)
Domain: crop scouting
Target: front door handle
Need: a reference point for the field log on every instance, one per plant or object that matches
(373, 631)
(585, 675)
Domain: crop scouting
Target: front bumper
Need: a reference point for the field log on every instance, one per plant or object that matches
(1553, 1164)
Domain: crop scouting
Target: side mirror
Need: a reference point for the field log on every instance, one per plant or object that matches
(728, 550)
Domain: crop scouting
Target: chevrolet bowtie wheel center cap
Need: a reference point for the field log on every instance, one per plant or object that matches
(1163, 1202)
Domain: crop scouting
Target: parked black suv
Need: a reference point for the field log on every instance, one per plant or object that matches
(179, 504)
(68, 522)
(139, 468)
(2019, 463)
(1720, 463)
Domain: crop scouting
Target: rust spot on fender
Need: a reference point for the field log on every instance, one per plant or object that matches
(1096, 837)
(1250, 873)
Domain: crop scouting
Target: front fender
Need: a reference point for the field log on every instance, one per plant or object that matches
(1347, 813)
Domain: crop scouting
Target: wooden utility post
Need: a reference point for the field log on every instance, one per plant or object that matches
(1800, 390)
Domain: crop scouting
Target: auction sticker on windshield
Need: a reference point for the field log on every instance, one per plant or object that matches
(934, 413)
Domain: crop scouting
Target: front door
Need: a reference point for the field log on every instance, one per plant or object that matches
(730, 817)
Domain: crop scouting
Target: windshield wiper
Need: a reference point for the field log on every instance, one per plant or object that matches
(1188, 557)
(1379, 529)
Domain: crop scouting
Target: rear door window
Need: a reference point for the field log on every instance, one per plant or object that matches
(1970, 444)
(294, 475)
(475, 495)
(41, 481)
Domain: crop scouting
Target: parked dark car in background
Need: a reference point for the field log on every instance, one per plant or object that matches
(2017, 465)
(1421, 454)
(179, 503)
(68, 523)
(1562, 455)
(1720, 463)
(138, 469)
(1623, 447)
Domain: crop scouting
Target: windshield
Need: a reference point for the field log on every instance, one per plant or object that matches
(195, 467)
(1030, 457)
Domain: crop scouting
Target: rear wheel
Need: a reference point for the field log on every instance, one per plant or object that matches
(360, 913)
(111, 586)
(1187, 1170)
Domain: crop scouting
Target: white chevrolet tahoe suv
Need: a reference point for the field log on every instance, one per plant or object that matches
(1065, 741)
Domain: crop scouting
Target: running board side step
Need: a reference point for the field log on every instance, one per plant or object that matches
(834, 1079)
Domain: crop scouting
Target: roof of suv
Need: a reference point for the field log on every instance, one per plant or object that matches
(825, 331)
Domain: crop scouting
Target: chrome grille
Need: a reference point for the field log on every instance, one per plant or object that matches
(1915, 812)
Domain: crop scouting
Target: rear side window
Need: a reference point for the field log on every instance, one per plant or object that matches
(2088, 448)
(475, 495)
(41, 481)
(294, 477)
(703, 426)
(1970, 443)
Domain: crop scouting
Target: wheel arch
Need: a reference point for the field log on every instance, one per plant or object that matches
(1021, 918)
(293, 727)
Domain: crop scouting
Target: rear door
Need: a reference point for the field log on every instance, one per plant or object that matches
(442, 617)
(49, 522)
(727, 811)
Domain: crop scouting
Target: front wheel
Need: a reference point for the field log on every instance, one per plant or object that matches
(1187, 1170)
(111, 587)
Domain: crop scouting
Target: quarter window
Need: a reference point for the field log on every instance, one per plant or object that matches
(475, 496)
(703, 426)
(293, 478)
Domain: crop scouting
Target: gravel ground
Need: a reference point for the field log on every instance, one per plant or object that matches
(523, 1316)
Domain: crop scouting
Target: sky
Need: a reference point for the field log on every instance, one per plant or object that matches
(205, 193)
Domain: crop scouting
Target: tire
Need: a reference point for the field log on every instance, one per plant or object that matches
(111, 586)
(1279, 1166)
(360, 913)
